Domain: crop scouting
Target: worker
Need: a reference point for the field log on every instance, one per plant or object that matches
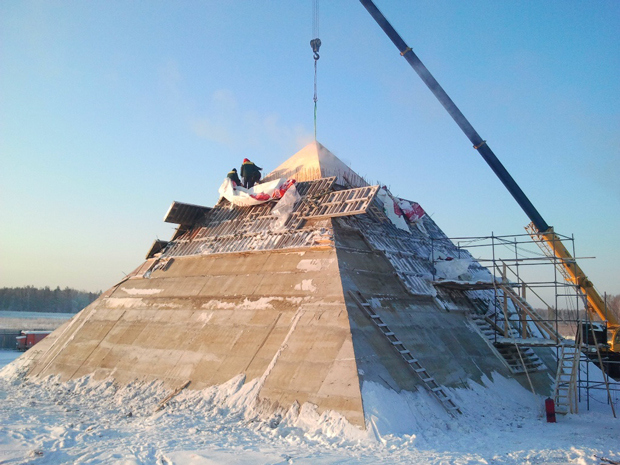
(232, 175)
(250, 173)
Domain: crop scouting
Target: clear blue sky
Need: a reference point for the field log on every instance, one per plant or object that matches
(111, 110)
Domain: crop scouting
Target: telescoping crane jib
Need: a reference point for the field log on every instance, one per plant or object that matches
(539, 227)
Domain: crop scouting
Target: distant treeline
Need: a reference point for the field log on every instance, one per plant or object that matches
(32, 299)
(613, 308)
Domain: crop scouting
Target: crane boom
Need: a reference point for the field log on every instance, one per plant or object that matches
(540, 227)
(479, 144)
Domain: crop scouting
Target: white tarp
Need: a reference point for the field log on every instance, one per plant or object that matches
(260, 193)
(392, 210)
(284, 208)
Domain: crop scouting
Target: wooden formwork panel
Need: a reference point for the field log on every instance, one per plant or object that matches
(341, 203)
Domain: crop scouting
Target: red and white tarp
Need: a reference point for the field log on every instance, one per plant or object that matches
(401, 211)
(260, 193)
(412, 210)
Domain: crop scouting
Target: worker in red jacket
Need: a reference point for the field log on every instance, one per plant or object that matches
(250, 173)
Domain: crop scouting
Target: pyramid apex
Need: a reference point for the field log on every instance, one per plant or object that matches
(314, 161)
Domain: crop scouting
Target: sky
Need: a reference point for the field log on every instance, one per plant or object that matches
(109, 111)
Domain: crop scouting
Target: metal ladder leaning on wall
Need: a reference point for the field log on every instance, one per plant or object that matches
(414, 364)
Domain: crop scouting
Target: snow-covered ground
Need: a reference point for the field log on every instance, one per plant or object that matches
(91, 422)
(32, 320)
(35, 315)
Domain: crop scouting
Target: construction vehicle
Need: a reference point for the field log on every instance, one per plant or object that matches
(538, 229)
(27, 339)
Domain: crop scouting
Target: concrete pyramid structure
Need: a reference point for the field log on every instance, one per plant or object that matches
(290, 305)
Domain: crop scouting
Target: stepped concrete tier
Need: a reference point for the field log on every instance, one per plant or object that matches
(238, 290)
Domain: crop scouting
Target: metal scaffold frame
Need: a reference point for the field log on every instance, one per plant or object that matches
(521, 266)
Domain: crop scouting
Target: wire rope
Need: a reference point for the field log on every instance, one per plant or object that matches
(315, 43)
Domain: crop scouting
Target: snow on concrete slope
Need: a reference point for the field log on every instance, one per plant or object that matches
(94, 422)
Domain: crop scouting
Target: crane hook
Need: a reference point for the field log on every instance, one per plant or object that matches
(315, 44)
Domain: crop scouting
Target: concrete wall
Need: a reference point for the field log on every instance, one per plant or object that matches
(277, 317)
(444, 341)
(284, 319)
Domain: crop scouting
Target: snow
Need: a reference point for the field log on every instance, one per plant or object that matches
(305, 285)
(481, 275)
(316, 264)
(263, 302)
(34, 315)
(123, 302)
(19, 321)
(258, 304)
(87, 421)
(452, 269)
(135, 291)
(7, 356)
(217, 304)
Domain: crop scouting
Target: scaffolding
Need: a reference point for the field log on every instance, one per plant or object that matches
(530, 303)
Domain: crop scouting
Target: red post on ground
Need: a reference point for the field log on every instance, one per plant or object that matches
(550, 409)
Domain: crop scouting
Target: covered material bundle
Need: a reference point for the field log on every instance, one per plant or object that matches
(260, 193)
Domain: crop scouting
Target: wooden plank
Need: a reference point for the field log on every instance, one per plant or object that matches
(169, 397)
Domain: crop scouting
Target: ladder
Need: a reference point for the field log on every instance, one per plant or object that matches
(565, 390)
(414, 364)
